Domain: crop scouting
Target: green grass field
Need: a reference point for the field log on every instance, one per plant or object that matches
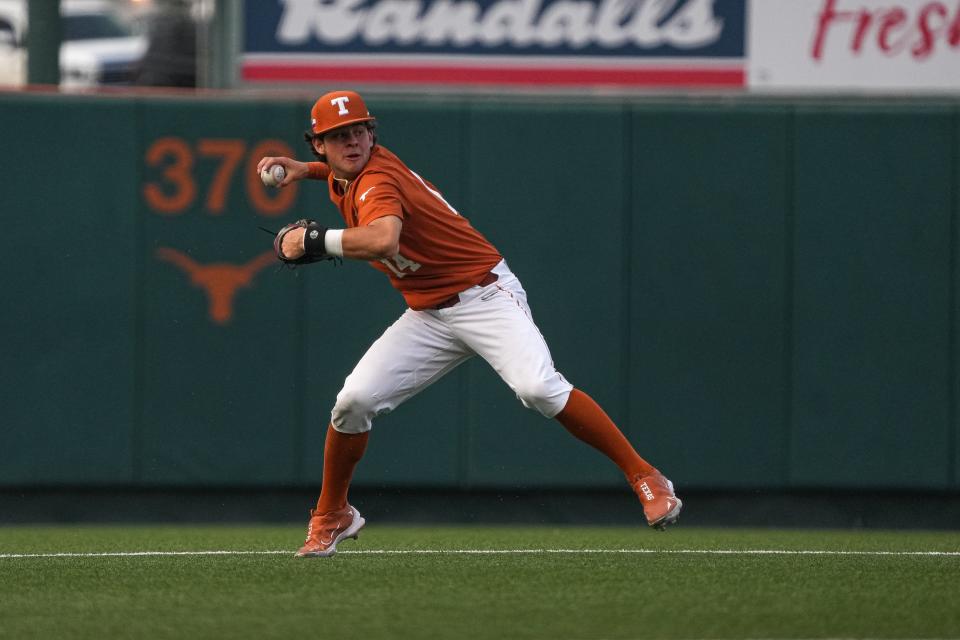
(478, 582)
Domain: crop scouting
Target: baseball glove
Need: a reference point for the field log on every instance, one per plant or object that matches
(312, 242)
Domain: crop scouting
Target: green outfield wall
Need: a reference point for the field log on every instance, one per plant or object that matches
(763, 293)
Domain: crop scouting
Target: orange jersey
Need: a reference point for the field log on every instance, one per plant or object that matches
(440, 255)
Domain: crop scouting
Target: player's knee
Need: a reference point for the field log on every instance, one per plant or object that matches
(353, 412)
(350, 427)
(544, 396)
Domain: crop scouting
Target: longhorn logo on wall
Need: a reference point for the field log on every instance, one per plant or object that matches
(219, 281)
(559, 43)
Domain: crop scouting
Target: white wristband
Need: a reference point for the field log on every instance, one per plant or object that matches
(333, 242)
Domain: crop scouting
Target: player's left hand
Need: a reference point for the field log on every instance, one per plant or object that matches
(289, 245)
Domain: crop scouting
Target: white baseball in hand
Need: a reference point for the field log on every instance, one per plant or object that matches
(273, 175)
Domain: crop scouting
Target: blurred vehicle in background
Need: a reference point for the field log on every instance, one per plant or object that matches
(98, 47)
(13, 46)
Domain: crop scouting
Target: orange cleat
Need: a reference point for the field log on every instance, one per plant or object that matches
(327, 529)
(660, 505)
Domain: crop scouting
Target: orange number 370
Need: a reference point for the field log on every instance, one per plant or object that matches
(174, 190)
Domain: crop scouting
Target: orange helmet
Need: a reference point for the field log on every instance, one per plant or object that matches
(337, 109)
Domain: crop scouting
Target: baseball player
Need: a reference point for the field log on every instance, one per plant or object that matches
(463, 301)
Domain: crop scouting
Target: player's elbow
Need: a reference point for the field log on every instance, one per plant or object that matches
(385, 247)
(385, 241)
(383, 237)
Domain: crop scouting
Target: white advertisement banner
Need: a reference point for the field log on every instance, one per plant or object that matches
(860, 45)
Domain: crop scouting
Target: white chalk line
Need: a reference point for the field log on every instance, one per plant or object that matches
(392, 552)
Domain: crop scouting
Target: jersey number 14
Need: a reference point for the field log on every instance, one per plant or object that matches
(400, 265)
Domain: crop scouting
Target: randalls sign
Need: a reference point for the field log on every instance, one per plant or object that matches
(518, 23)
(536, 42)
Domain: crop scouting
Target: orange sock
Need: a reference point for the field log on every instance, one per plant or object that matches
(341, 453)
(584, 418)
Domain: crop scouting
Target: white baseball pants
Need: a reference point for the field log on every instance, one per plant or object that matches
(418, 349)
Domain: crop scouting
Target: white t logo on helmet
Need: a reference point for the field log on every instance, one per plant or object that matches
(341, 103)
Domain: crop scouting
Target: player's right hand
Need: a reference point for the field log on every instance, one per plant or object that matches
(295, 169)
